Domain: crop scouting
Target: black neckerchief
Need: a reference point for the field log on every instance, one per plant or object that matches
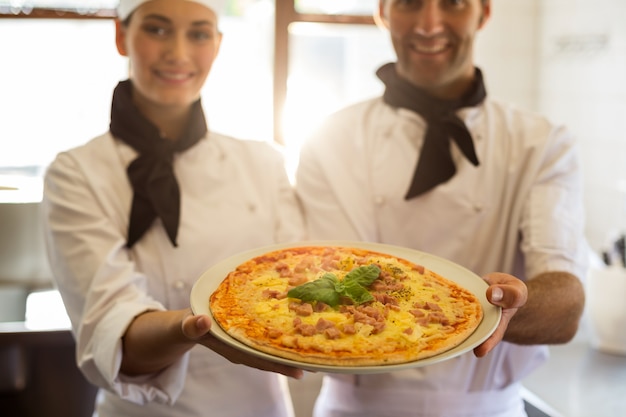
(435, 164)
(151, 174)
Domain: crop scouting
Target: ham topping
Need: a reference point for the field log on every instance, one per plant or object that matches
(274, 333)
(325, 327)
(279, 295)
(301, 309)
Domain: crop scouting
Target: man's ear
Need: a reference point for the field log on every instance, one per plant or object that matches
(380, 17)
(486, 13)
(120, 38)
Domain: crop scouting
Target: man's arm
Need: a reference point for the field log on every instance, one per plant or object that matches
(545, 310)
(552, 313)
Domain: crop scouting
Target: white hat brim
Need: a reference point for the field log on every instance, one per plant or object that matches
(126, 7)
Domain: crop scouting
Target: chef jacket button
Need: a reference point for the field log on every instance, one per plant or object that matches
(179, 285)
(379, 200)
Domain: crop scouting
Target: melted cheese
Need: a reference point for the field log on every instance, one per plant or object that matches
(415, 290)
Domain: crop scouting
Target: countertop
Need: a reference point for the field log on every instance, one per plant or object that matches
(581, 381)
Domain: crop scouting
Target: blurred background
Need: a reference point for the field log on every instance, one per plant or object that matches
(286, 72)
(283, 66)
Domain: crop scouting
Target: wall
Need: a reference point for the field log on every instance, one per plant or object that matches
(567, 60)
(583, 84)
(507, 52)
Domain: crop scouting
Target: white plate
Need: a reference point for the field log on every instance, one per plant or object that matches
(210, 280)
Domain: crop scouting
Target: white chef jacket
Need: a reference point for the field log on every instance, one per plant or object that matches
(519, 211)
(235, 196)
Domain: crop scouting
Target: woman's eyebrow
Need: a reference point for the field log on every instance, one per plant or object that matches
(203, 22)
(157, 17)
(165, 19)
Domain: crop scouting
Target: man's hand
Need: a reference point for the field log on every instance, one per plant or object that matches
(197, 328)
(507, 292)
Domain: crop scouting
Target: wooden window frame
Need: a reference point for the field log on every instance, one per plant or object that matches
(285, 15)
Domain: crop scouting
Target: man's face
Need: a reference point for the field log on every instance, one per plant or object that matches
(434, 41)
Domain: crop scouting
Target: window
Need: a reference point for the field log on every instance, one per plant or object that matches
(336, 7)
(284, 64)
(57, 8)
(330, 66)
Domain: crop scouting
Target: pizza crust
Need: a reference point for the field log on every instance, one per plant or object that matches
(416, 313)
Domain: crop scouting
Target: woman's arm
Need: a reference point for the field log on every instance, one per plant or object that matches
(156, 339)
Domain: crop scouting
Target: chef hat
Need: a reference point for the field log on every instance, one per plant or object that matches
(126, 7)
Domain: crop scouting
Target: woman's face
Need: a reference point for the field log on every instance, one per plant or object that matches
(433, 40)
(171, 46)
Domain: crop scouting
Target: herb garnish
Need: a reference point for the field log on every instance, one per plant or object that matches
(329, 289)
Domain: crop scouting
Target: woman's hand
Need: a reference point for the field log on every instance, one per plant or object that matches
(197, 328)
(507, 292)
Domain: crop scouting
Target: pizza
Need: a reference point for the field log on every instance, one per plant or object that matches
(343, 306)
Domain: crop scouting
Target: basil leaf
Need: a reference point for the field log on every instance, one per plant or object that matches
(357, 293)
(322, 289)
(328, 289)
(355, 281)
(363, 275)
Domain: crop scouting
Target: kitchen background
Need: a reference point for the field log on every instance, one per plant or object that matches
(563, 58)
(566, 59)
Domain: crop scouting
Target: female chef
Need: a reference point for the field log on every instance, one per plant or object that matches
(134, 217)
